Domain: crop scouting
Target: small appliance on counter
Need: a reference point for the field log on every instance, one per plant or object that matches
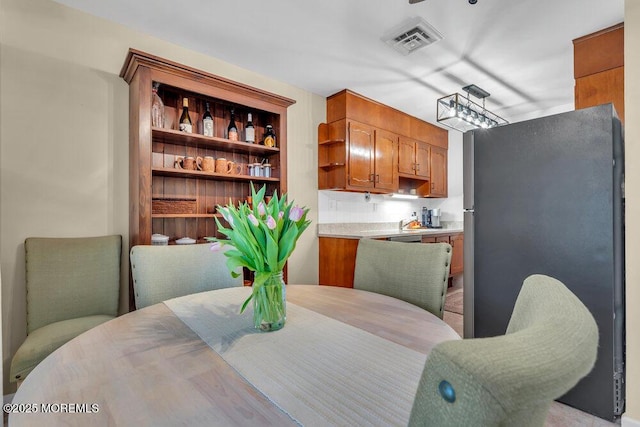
(431, 218)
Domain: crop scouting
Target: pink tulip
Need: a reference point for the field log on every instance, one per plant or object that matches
(296, 213)
(271, 223)
(216, 246)
(280, 215)
(227, 216)
(261, 208)
(253, 219)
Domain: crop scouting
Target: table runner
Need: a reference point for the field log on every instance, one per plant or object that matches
(318, 370)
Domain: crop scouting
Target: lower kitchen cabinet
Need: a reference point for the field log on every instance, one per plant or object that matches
(337, 261)
(338, 257)
(457, 252)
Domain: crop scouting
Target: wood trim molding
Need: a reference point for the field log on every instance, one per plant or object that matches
(136, 58)
(599, 51)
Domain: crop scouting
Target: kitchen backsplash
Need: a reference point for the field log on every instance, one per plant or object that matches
(345, 207)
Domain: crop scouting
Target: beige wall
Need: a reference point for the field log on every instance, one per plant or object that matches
(632, 190)
(64, 138)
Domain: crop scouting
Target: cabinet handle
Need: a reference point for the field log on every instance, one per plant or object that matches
(378, 178)
(432, 186)
(417, 167)
(372, 178)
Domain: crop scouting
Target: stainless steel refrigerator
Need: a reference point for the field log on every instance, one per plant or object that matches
(547, 196)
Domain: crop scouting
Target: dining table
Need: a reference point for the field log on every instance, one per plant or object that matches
(344, 357)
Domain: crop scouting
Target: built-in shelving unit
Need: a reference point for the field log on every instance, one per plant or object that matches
(176, 202)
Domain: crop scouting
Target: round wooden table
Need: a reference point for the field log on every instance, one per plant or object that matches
(149, 367)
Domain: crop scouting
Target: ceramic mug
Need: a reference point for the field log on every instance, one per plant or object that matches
(233, 168)
(207, 164)
(223, 165)
(188, 163)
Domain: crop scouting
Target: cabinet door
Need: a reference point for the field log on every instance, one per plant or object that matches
(438, 172)
(423, 159)
(406, 156)
(361, 155)
(457, 255)
(386, 160)
(337, 259)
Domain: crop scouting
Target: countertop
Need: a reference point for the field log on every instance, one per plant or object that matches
(382, 230)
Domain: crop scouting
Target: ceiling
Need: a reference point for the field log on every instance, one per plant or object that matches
(520, 51)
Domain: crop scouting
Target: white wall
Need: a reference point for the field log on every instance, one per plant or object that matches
(64, 139)
(339, 207)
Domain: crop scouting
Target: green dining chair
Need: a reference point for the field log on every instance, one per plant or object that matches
(164, 272)
(511, 380)
(413, 272)
(73, 284)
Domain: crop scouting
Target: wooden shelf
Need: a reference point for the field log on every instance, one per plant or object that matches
(186, 215)
(170, 136)
(175, 202)
(412, 177)
(331, 141)
(209, 175)
(331, 165)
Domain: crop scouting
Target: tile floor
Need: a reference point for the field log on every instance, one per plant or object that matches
(559, 415)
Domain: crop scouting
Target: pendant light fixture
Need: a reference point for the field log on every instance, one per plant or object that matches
(461, 113)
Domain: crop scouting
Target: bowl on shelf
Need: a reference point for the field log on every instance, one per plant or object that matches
(185, 241)
(159, 240)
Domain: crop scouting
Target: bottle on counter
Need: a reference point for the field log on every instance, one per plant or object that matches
(232, 129)
(207, 122)
(185, 123)
(249, 131)
(269, 137)
(157, 107)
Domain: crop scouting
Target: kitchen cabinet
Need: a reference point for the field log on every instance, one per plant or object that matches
(338, 257)
(167, 199)
(456, 241)
(599, 69)
(356, 156)
(368, 146)
(337, 261)
(414, 158)
(438, 172)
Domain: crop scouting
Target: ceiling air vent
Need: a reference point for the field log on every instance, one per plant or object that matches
(412, 35)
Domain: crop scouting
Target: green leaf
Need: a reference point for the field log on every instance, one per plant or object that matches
(246, 302)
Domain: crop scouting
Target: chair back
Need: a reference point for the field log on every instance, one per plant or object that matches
(68, 278)
(416, 273)
(550, 344)
(164, 272)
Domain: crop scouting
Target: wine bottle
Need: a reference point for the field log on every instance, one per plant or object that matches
(232, 129)
(207, 122)
(157, 107)
(249, 130)
(269, 137)
(185, 121)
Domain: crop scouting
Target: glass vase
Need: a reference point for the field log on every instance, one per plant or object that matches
(270, 304)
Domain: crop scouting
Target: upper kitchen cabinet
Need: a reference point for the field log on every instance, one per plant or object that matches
(358, 157)
(599, 69)
(414, 158)
(368, 146)
(438, 185)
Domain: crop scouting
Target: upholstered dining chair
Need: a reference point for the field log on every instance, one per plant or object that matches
(510, 380)
(413, 272)
(73, 284)
(164, 272)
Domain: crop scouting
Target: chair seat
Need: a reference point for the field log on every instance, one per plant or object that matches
(43, 341)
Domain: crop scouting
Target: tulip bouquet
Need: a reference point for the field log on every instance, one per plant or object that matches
(263, 235)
